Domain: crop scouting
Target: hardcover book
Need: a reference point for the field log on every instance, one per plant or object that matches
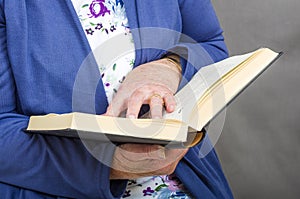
(211, 89)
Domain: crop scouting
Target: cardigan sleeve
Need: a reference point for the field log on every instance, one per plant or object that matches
(202, 40)
(45, 164)
(200, 23)
(202, 174)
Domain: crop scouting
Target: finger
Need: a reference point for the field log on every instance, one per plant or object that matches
(134, 104)
(156, 106)
(116, 107)
(170, 102)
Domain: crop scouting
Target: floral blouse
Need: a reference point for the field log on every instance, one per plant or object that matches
(102, 20)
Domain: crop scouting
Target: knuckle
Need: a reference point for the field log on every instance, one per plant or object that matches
(137, 92)
(133, 100)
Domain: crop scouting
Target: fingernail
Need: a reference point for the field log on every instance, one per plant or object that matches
(171, 108)
(131, 116)
(156, 117)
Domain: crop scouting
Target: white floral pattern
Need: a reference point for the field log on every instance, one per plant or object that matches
(159, 187)
(102, 20)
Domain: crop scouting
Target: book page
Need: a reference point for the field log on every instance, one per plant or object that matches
(190, 94)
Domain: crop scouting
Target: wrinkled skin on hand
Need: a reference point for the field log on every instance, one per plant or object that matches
(140, 160)
(153, 83)
(159, 78)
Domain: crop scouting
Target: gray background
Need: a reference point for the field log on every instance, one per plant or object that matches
(259, 146)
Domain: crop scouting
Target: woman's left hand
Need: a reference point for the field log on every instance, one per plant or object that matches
(153, 83)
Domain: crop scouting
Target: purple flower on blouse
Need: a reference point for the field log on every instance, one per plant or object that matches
(89, 31)
(126, 194)
(97, 8)
(112, 28)
(99, 26)
(148, 191)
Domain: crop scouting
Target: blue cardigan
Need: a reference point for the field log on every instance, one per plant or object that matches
(42, 46)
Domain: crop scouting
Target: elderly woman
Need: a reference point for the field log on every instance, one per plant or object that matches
(43, 47)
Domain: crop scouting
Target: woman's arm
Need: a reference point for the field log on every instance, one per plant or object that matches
(45, 164)
(202, 39)
(200, 23)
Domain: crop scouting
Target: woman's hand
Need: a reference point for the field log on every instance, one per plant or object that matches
(153, 83)
(140, 160)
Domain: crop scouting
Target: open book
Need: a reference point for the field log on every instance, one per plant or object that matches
(211, 89)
